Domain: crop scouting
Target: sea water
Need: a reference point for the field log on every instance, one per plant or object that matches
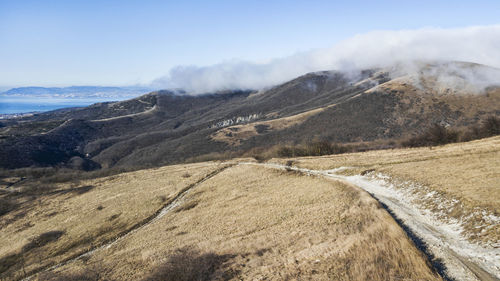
(11, 105)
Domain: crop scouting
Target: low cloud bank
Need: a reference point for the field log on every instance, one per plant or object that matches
(478, 44)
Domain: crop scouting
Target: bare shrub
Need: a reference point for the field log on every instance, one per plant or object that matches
(491, 126)
(439, 135)
(488, 128)
(162, 198)
(114, 217)
(259, 158)
(435, 135)
(317, 148)
(285, 151)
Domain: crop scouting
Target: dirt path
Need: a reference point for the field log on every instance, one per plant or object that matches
(454, 257)
(171, 204)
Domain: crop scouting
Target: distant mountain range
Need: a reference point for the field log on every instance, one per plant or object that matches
(166, 127)
(77, 92)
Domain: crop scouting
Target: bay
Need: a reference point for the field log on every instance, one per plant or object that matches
(13, 105)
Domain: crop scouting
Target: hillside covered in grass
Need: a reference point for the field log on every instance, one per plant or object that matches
(233, 220)
(367, 109)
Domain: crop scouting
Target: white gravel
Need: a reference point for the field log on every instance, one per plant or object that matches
(443, 238)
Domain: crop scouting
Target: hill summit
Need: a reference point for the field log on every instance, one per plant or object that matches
(165, 127)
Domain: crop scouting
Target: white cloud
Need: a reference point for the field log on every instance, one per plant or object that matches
(479, 44)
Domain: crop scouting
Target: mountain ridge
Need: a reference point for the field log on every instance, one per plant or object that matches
(164, 127)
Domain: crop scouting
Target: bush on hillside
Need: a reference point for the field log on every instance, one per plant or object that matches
(488, 128)
(313, 149)
(435, 135)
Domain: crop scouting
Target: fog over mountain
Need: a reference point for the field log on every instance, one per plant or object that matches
(478, 44)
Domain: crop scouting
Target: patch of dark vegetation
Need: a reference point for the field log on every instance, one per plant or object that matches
(177, 125)
(317, 148)
(435, 135)
(261, 154)
(188, 206)
(488, 128)
(261, 128)
(114, 217)
(99, 208)
(188, 264)
(51, 175)
(6, 205)
(259, 157)
(162, 198)
(49, 157)
(43, 239)
(79, 163)
(439, 134)
(290, 171)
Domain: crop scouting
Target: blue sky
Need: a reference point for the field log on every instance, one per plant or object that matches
(57, 43)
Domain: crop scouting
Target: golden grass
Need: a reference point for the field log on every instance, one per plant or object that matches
(467, 100)
(468, 172)
(252, 222)
(106, 208)
(233, 135)
(261, 224)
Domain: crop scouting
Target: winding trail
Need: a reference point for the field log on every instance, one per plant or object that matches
(453, 257)
(171, 204)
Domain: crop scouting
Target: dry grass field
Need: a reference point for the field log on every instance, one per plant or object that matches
(70, 219)
(468, 173)
(244, 222)
(254, 223)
